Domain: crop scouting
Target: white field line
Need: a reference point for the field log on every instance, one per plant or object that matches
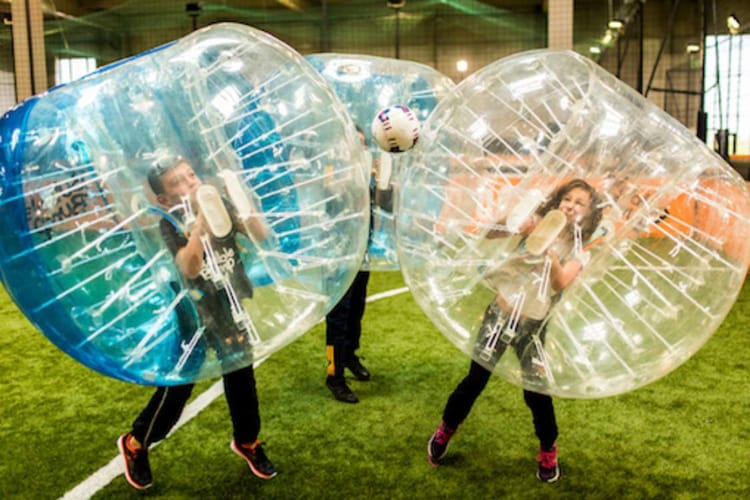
(115, 467)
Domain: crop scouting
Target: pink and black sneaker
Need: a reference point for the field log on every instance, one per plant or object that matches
(548, 469)
(438, 443)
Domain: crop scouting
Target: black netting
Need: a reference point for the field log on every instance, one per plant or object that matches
(648, 52)
(436, 33)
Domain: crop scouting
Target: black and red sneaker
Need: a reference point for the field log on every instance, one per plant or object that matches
(256, 459)
(137, 468)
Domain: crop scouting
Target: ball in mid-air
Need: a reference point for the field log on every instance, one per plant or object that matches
(360, 82)
(396, 128)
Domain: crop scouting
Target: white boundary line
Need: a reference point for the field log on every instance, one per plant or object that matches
(385, 295)
(114, 468)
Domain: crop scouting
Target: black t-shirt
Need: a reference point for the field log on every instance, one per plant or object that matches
(210, 297)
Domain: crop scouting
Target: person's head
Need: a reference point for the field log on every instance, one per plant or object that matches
(172, 180)
(580, 203)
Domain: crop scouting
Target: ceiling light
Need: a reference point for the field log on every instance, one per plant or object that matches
(734, 25)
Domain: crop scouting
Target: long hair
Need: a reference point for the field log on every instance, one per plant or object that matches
(594, 215)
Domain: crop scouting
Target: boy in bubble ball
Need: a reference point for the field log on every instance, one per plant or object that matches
(175, 183)
(518, 311)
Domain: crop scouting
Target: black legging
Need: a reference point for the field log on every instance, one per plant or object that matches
(462, 399)
(344, 324)
(166, 405)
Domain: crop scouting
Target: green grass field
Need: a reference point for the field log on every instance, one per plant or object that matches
(685, 436)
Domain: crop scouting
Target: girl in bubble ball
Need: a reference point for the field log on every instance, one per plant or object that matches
(526, 289)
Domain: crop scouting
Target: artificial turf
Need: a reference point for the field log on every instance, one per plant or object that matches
(684, 436)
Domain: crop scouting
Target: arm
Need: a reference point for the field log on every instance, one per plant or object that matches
(254, 227)
(251, 222)
(561, 275)
(524, 229)
(522, 217)
(189, 258)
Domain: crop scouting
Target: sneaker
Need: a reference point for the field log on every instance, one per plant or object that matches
(438, 443)
(340, 390)
(548, 469)
(256, 459)
(358, 370)
(137, 468)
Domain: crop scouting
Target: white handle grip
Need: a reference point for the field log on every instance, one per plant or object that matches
(240, 200)
(213, 210)
(546, 232)
(524, 209)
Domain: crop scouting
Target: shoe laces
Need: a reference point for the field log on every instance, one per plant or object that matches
(251, 447)
(258, 455)
(548, 459)
(443, 433)
(135, 453)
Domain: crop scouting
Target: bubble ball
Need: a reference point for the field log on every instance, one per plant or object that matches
(185, 212)
(567, 234)
(395, 128)
(367, 85)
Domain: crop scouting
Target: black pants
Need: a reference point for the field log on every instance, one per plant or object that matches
(344, 325)
(462, 398)
(166, 405)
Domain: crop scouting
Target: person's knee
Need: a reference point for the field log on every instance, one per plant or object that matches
(536, 400)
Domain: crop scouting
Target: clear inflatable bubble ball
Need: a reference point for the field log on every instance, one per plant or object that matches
(403, 94)
(565, 233)
(185, 212)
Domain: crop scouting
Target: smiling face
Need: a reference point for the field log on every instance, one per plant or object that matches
(178, 182)
(576, 204)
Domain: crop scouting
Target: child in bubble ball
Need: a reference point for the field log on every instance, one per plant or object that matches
(344, 328)
(173, 181)
(518, 311)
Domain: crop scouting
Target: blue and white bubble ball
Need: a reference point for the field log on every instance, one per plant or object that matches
(82, 252)
(658, 245)
(368, 85)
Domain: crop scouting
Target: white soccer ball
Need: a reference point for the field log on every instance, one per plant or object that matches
(395, 128)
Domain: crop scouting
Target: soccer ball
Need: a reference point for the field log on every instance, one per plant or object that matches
(395, 128)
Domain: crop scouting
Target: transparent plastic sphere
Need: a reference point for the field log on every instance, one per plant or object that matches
(567, 234)
(366, 85)
(225, 144)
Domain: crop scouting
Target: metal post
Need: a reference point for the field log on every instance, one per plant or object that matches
(193, 9)
(324, 46)
(398, 36)
(668, 32)
(702, 116)
(29, 58)
(396, 5)
(718, 67)
(640, 47)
